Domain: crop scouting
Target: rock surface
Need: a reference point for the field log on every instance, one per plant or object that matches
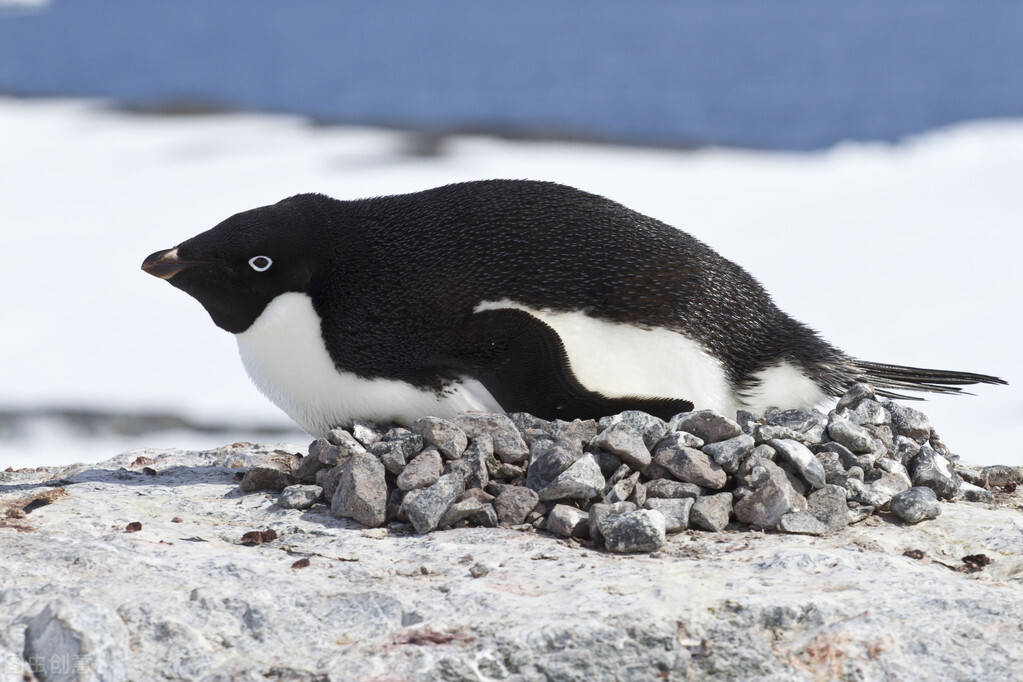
(320, 597)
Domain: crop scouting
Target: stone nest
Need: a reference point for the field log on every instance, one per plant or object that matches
(626, 481)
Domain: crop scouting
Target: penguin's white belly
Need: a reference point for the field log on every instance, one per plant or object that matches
(619, 360)
(286, 358)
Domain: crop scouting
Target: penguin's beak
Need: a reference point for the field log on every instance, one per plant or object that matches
(165, 264)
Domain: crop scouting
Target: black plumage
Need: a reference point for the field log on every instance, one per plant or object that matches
(396, 279)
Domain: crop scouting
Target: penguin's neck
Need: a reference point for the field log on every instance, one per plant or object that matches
(287, 359)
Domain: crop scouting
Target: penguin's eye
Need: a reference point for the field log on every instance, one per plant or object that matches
(260, 263)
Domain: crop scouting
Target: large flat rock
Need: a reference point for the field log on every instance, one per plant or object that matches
(81, 598)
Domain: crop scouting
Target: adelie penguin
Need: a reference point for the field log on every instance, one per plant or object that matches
(503, 295)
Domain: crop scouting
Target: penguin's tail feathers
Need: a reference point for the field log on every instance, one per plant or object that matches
(886, 377)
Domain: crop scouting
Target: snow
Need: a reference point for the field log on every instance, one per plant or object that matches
(906, 253)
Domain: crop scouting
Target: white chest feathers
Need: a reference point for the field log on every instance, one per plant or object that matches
(285, 356)
(620, 360)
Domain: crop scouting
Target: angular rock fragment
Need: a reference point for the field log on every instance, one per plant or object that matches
(794, 452)
(728, 453)
(667, 488)
(395, 449)
(851, 435)
(599, 512)
(932, 470)
(880, 491)
(651, 428)
(910, 423)
(367, 432)
(772, 497)
(299, 496)
(422, 471)
(507, 442)
(711, 512)
(1001, 476)
(802, 523)
(690, 465)
(477, 458)
(635, 531)
(623, 440)
(450, 440)
(568, 521)
(345, 442)
(707, 425)
(621, 489)
(916, 505)
(547, 459)
(460, 511)
(306, 470)
(675, 511)
(266, 478)
(867, 412)
(974, 493)
(581, 481)
(326, 452)
(856, 393)
(361, 493)
(425, 507)
(513, 503)
(829, 506)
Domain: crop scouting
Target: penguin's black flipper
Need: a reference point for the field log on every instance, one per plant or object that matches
(523, 363)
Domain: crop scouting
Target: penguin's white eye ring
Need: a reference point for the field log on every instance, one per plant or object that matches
(260, 263)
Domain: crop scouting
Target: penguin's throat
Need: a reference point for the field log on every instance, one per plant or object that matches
(285, 355)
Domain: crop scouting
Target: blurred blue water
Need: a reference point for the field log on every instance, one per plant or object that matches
(793, 74)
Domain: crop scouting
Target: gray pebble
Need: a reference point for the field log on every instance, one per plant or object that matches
(507, 442)
(800, 421)
(829, 506)
(772, 497)
(485, 517)
(880, 491)
(266, 478)
(642, 530)
(361, 493)
(856, 393)
(932, 470)
(621, 486)
(707, 425)
(450, 440)
(581, 481)
(568, 521)
(326, 452)
(651, 428)
(711, 512)
(422, 471)
(667, 488)
(728, 453)
(513, 503)
(910, 423)
(905, 448)
(802, 523)
(970, 493)
(327, 479)
(621, 439)
(638, 496)
(478, 457)
(797, 454)
(866, 412)
(299, 496)
(425, 507)
(916, 504)
(598, 512)
(690, 465)
(851, 435)
(366, 432)
(306, 470)
(395, 449)
(345, 442)
(579, 432)
(675, 511)
(547, 459)
(460, 510)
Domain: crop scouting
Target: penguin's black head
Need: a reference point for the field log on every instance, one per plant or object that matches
(236, 268)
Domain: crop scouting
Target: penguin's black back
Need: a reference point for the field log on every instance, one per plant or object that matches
(550, 246)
